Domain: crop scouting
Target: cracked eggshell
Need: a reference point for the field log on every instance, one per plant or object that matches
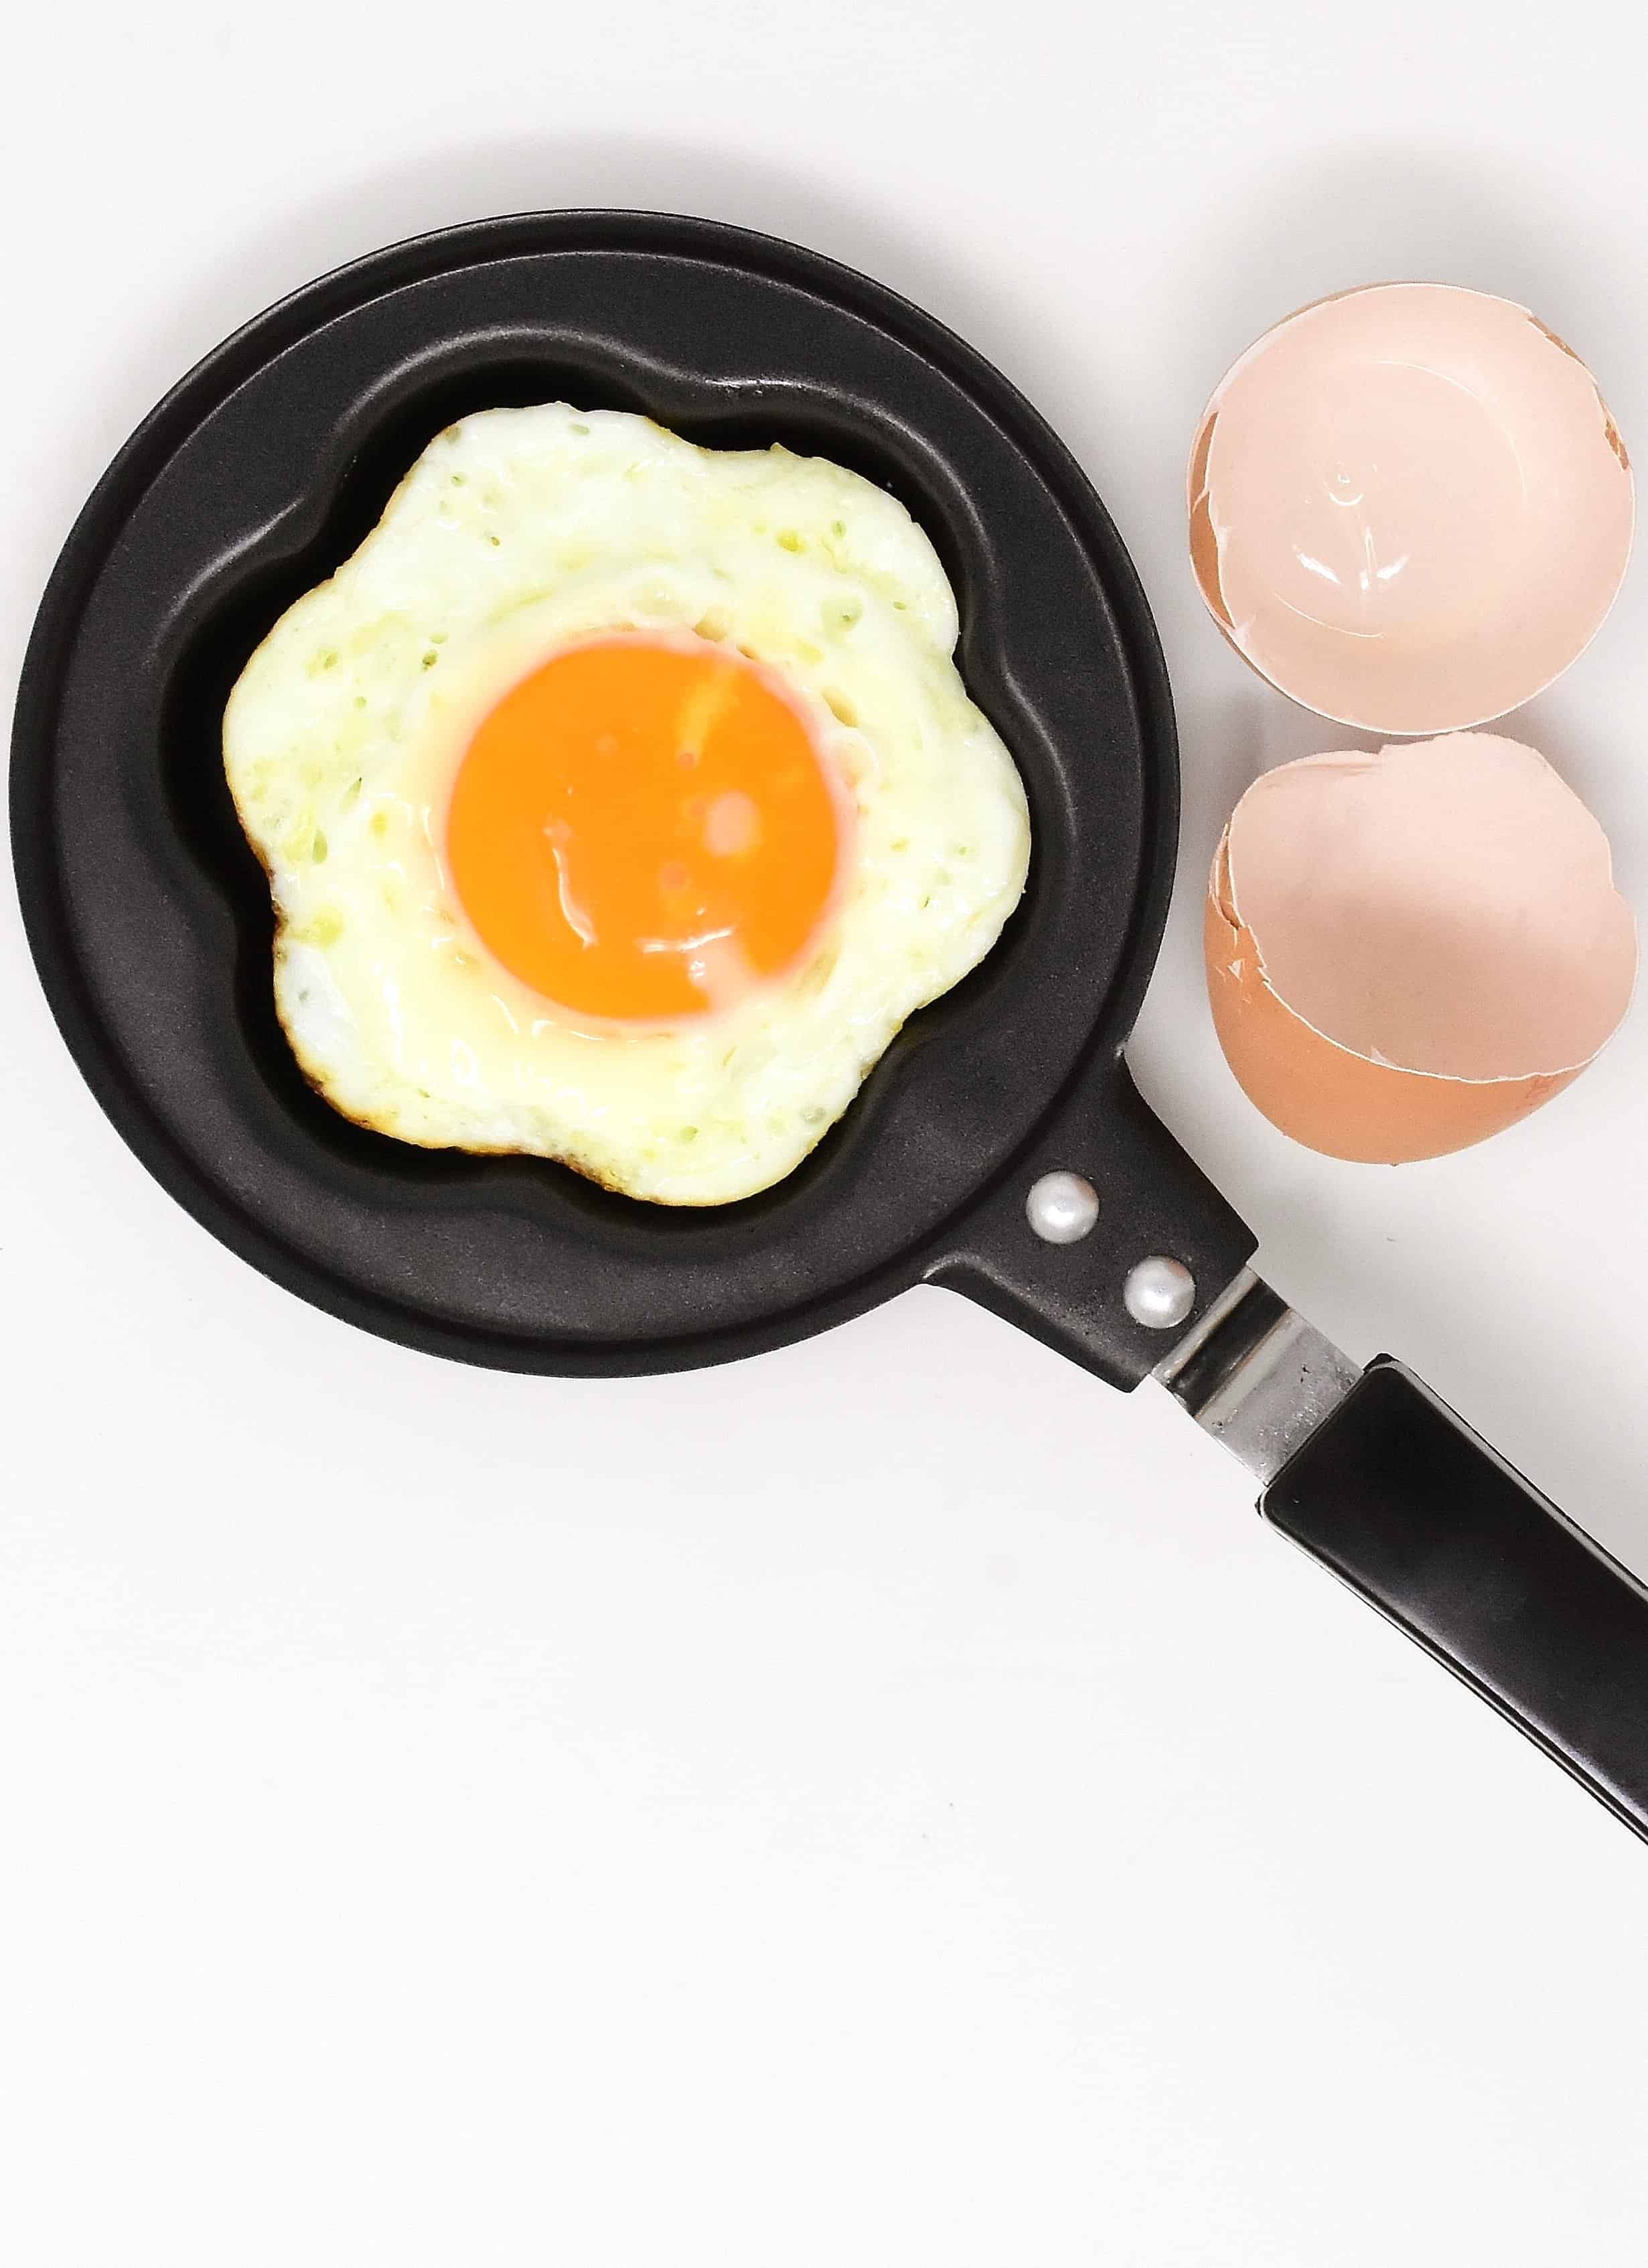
(1407, 952)
(1409, 507)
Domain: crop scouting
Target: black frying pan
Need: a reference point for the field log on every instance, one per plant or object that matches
(150, 924)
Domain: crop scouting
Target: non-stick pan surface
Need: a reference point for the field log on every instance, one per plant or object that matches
(149, 918)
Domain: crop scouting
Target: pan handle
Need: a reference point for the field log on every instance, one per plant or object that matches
(1413, 1510)
(1375, 1477)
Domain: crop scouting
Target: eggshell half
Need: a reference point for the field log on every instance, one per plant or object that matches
(1406, 951)
(1409, 507)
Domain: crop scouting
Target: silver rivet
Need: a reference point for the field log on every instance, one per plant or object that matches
(1159, 1292)
(1062, 1208)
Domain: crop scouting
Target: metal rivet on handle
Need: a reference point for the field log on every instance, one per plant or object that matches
(1159, 1292)
(1062, 1208)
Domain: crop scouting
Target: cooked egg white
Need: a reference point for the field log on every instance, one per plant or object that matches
(520, 534)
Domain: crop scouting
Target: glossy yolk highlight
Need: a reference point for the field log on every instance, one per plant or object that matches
(642, 831)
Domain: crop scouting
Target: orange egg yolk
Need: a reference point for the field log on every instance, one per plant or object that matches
(643, 831)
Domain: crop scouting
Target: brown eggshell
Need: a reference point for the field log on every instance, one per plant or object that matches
(1409, 952)
(1409, 507)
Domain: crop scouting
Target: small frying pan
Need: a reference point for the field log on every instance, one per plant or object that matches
(998, 1148)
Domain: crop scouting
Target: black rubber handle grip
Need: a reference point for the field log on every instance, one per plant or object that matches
(1400, 1498)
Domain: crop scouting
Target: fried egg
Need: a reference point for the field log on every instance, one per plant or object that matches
(620, 799)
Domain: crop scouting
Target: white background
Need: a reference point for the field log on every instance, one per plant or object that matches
(890, 1802)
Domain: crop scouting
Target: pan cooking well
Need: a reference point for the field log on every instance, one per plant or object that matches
(150, 919)
(150, 924)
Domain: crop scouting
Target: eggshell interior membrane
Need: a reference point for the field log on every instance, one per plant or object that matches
(1409, 951)
(1410, 508)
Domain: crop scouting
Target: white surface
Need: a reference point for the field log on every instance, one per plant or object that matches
(890, 1802)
